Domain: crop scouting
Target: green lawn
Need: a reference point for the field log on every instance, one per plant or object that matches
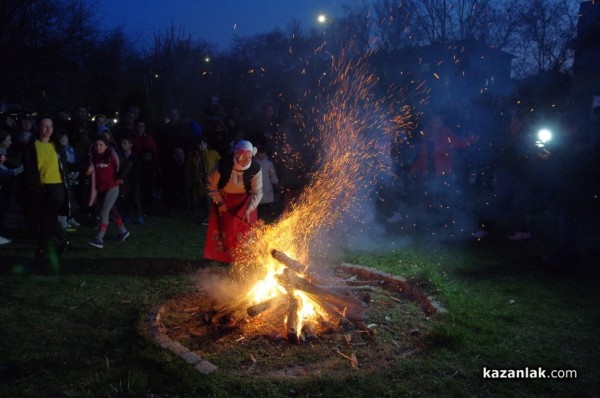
(74, 328)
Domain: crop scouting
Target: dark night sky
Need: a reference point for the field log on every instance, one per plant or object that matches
(217, 21)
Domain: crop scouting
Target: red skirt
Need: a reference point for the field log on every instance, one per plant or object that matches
(225, 231)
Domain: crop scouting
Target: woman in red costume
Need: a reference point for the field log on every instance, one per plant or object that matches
(235, 188)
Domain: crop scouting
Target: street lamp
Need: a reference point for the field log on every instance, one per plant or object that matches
(322, 18)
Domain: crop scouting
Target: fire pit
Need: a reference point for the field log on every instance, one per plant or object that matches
(274, 306)
(394, 324)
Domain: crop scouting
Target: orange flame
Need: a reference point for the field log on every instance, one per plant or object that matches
(351, 124)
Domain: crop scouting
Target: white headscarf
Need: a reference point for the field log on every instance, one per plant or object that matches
(242, 146)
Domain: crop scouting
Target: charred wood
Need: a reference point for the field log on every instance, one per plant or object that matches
(288, 262)
(292, 320)
(343, 306)
(296, 266)
(257, 309)
(390, 283)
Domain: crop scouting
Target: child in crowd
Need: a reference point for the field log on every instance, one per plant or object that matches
(5, 174)
(104, 170)
(65, 215)
(130, 194)
(270, 180)
(199, 163)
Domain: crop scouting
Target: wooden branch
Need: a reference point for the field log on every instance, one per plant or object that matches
(292, 319)
(288, 262)
(344, 306)
(297, 267)
(257, 309)
(390, 283)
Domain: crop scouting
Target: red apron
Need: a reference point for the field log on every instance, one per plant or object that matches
(225, 231)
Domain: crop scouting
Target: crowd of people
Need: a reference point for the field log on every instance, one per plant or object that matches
(500, 177)
(62, 171)
(59, 171)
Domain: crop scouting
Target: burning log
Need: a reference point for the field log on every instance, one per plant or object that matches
(343, 306)
(257, 309)
(295, 266)
(292, 319)
(224, 314)
(288, 262)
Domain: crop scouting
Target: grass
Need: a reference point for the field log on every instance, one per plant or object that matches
(73, 330)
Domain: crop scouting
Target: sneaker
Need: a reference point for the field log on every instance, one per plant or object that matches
(122, 236)
(63, 222)
(396, 217)
(520, 236)
(4, 241)
(481, 234)
(73, 223)
(97, 243)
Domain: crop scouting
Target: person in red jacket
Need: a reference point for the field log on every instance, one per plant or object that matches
(433, 171)
(104, 170)
(144, 148)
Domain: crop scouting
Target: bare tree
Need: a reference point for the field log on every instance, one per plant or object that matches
(537, 32)
(548, 28)
(57, 31)
(504, 25)
(176, 64)
(473, 18)
(355, 29)
(423, 22)
(393, 19)
(111, 69)
(432, 19)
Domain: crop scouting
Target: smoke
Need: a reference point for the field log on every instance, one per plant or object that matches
(217, 285)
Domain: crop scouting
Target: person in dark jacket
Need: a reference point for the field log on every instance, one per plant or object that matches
(570, 191)
(130, 200)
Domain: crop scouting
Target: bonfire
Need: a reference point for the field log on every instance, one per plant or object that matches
(274, 264)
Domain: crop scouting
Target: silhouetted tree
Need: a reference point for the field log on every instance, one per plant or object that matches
(177, 65)
(43, 44)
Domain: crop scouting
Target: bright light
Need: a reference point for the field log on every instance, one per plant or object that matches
(322, 18)
(207, 59)
(544, 135)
